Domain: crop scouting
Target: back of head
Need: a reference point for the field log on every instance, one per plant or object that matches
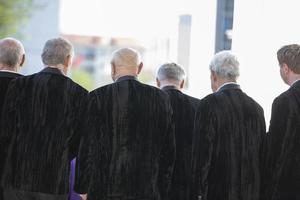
(290, 55)
(11, 52)
(126, 57)
(225, 65)
(170, 72)
(56, 51)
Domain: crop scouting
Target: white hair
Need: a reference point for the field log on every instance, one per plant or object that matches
(225, 65)
(126, 57)
(11, 52)
(56, 51)
(170, 71)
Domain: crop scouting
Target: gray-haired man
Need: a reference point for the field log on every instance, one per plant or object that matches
(229, 130)
(42, 115)
(12, 57)
(170, 78)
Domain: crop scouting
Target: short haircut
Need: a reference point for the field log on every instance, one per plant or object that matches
(225, 65)
(290, 55)
(126, 57)
(56, 50)
(11, 52)
(170, 71)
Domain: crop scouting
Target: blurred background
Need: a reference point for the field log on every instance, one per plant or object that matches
(188, 32)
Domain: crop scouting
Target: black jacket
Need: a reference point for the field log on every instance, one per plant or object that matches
(5, 78)
(283, 180)
(229, 131)
(184, 108)
(40, 119)
(128, 145)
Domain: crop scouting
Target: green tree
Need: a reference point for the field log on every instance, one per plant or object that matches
(13, 14)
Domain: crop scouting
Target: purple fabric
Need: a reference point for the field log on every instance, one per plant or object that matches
(73, 195)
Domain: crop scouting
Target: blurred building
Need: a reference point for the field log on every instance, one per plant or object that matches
(42, 25)
(224, 24)
(93, 54)
(184, 43)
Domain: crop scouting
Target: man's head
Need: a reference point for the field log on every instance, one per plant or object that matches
(125, 61)
(170, 74)
(12, 54)
(58, 53)
(289, 61)
(224, 68)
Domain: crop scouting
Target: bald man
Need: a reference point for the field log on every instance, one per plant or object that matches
(128, 146)
(12, 57)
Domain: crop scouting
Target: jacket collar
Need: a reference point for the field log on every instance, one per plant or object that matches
(9, 74)
(126, 78)
(295, 83)
(229, 86)
(52, 70)
(169, 87)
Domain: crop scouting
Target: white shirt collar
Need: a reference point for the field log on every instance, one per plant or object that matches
(10, 71)
(226, 84)
(294, 82)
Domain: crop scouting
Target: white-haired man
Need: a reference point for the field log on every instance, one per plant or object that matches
(41, 120)
(128, 149)
(229, 130)
(170, 78)
(12, 57)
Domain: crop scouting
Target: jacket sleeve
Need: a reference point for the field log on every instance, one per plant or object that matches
(85, 154)
(79, 117)
(167, 159)
(8, 122)
(203, 148)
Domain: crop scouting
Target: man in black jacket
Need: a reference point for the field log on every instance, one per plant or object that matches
(128, 147)
(229, 130)
(42, 112)
(12, 57)
(170, 78)
(283, 180)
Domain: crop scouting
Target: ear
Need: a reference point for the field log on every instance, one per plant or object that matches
(158, 83)
(112, 70)
(140, 67)
(285, 68)
(181, 84)
(22, 60)
(213, 76)
(68, 61)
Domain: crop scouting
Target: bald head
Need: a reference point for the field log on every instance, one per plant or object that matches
(126, 57)
(12, 54)
(125, 61)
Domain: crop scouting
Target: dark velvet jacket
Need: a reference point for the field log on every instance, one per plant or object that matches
(184, 108)
(5, 78)
(127, 149)
(229, 131)
(283, 167)
(40, 118)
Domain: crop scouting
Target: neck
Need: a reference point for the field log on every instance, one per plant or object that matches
(222, 82)
(60, 67)
(169, 83)
(124, 73)
(293, 78)
(5, 67)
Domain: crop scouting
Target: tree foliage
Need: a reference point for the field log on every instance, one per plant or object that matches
(13, 14)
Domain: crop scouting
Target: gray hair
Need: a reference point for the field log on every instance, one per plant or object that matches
(171, 71)
(126, 57)
(11, 52)
(56, 50)
(225, 65)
